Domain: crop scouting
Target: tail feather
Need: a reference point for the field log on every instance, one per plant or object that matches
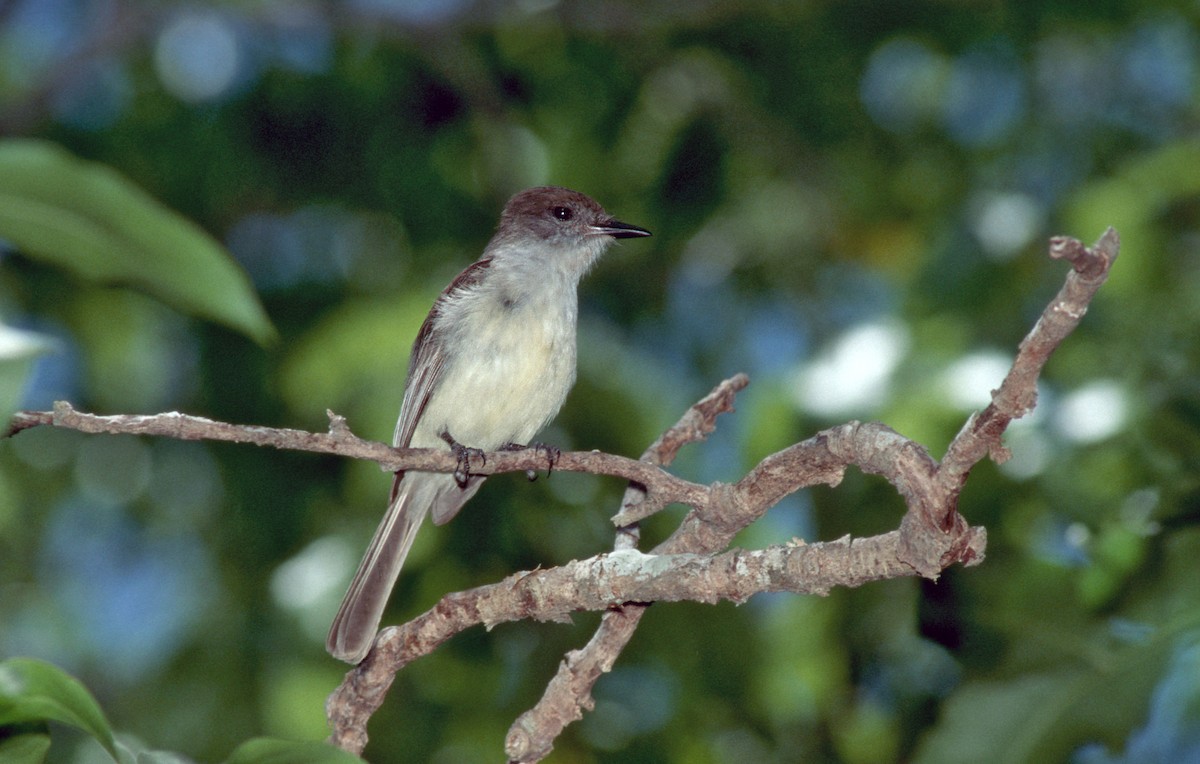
(353, 630)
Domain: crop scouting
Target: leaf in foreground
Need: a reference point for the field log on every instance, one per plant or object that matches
(36, 691)
(90, 219)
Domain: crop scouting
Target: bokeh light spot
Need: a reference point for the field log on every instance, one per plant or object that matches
(197, 56)
(902, 84)
(968, 382)
(1005, 223)
(1093, 413)
(852, 375)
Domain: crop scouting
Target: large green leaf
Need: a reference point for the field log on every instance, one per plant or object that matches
(36, 691)
(266, 751)
(89, 218)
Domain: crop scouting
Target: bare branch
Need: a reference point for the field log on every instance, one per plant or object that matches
(609, 581)
(23, 420)
(691, 563)
(340, 441)
(932, 534)
(1017, 395)
(694, 426)
(614, 579)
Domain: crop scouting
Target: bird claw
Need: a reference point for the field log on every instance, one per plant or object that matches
(462, 473)
(551, 452)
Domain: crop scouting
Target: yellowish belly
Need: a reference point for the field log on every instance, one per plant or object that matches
(512, 384)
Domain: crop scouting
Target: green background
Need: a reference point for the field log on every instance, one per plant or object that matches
(850, 202)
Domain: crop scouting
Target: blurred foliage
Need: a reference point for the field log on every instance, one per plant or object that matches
(34, 693)
(850, 203)
(86, 218)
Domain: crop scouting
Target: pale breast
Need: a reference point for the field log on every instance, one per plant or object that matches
(511, 370)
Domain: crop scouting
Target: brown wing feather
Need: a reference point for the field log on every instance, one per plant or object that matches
(426, 362)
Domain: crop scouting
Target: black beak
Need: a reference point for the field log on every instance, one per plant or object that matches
(619, 230)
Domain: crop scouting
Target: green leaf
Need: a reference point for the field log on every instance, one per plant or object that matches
(160, 757)
(90, 219)
(133, 752)
(36, 691)
(17, 351)
(25, 749)
(1043, 717)
(269, 751)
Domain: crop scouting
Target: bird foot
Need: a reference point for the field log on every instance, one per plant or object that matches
(551, 453)
(463, 453)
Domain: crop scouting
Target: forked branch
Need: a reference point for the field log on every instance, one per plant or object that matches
(692, 563)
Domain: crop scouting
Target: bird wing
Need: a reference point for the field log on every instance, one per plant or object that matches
(428, 360)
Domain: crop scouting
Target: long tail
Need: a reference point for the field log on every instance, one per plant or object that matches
(353, 630)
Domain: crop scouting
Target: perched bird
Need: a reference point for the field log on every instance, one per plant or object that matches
(491, 366)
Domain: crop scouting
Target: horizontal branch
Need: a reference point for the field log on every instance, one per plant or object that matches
(613, 581)
(340, 441)
(616, 578)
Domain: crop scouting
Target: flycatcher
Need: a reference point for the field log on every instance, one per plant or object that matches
(490, 367)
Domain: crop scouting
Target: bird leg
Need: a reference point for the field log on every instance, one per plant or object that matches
(463, 453)
(551, 453)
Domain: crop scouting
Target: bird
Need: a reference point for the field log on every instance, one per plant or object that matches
(490, 367)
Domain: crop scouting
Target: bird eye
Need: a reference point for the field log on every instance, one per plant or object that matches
(562, 213)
